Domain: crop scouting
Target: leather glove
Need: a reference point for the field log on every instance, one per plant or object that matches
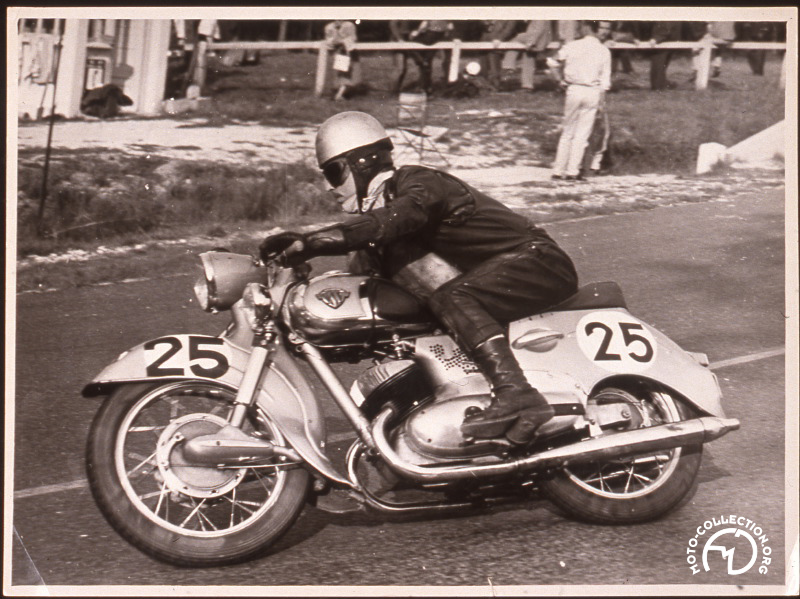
(292, 245)
(297, 247)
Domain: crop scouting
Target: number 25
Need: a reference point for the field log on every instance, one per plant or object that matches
(196, 352)
(627, 336)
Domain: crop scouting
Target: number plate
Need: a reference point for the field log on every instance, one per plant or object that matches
(187, 355)
(616, 341)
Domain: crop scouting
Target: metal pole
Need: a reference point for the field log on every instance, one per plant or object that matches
(46, 170)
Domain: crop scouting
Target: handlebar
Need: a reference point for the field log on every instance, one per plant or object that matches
(280, 260)
(284, 257)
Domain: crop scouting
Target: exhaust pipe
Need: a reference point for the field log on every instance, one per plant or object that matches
(643, 440)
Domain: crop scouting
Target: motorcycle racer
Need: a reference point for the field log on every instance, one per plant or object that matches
(509, 267)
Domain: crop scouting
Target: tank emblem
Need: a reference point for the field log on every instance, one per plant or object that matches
(333, 298)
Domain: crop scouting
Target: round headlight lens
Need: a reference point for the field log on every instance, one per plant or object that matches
(201, 292)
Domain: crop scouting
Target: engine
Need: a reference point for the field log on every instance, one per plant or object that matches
(428, 410)
(430, 395)
(401, 384)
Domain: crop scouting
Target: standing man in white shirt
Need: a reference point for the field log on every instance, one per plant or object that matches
(583, 67)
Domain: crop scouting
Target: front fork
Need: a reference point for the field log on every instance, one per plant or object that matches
(264, 340)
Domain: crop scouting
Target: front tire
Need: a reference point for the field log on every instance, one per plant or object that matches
(636, 489)
(173, 511)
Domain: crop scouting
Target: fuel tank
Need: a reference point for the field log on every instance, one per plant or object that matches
(336, 309)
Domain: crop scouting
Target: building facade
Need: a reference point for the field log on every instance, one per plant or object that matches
(129, 53)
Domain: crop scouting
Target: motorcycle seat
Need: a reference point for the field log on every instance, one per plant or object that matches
(593, 296)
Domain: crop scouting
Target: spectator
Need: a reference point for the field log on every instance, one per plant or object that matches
(496, 32)
(429, 33)
(756, 32)
(399, 31)
(720, 34)
(597, 156)
(536, 38)
(622, 32)
(567, 31)
(207, 32)
(235, 31)
(694, 31)
(723, 34)
(663, 31)
(583, 67)
(341, 38)
(208, 29)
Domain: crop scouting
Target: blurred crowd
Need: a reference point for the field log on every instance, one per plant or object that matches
(497, 69)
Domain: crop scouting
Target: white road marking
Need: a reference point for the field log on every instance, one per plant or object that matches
(46, 489)
(83, 484)
(770, 353)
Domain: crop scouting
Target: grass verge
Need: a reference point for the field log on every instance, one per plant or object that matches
(97, 196)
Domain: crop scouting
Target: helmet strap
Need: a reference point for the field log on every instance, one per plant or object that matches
(365, 164)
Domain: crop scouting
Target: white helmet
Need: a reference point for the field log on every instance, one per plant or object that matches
(347, 131)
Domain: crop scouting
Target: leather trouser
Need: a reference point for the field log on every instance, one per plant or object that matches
(479, 303)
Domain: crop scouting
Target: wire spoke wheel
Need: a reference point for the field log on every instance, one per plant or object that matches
(176, 510)
(637, 476)
(190, 500)
(631, 489)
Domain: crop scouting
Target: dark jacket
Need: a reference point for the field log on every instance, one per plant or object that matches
(433, 211)
(666, 31)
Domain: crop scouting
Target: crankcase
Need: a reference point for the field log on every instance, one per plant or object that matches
(435, 429)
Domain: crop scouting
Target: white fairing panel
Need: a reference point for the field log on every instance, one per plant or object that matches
(592, 345)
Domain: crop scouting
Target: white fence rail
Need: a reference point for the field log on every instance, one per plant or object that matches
(704, 47)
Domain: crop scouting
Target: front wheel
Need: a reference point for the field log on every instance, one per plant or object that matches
(176, 512)
(634, 489)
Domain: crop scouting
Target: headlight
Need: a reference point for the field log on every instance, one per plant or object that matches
(225, 276)
(201, 292)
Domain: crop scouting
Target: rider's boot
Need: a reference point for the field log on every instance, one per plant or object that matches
(517, 409)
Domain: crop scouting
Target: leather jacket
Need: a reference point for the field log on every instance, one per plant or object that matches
(431, 211)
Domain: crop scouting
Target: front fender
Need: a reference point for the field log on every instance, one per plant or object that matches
(284, 393)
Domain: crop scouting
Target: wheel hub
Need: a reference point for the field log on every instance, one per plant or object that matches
(178, 474)
(631, 408)
(634, 476)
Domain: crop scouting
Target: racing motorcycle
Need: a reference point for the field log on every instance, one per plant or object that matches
(206, 449)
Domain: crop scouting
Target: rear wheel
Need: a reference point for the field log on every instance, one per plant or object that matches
(176, 512)
(632, 489)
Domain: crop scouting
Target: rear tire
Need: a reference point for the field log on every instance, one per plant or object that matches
(630, 490)
(181, 514)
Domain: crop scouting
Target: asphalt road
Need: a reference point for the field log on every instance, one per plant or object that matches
(709, 275)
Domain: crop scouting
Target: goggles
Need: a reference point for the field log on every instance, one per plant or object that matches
(336, 171)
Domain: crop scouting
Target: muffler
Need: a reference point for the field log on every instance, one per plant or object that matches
(231, 446)
(617, 445)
